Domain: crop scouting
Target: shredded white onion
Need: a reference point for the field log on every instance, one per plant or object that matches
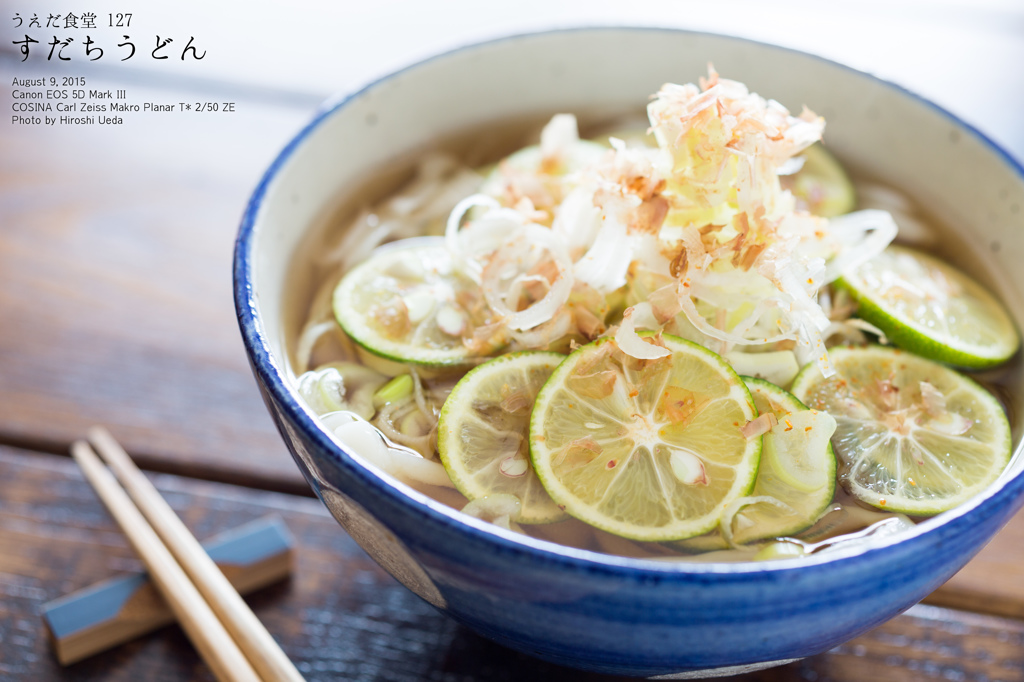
(559, 136)
(454, 237)
(861, 236)
(841, 333)
(577, 220)
(604, 266)
(508, 258)
(791, 166)
(698, 321)
(417, 392)
(545, 334)
(385, 421)
(864, 325)
(629, 342)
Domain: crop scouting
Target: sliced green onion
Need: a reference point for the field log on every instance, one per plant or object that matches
(398, 388)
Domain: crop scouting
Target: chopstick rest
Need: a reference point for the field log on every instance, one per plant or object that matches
(118, 610)
(259, 647)
(201, 626)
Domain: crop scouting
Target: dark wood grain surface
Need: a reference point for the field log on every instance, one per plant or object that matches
(343, 617)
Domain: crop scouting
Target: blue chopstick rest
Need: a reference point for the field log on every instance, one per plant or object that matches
(118, 610)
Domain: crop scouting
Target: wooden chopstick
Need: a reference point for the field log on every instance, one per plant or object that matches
(193, 613)
(258, 645)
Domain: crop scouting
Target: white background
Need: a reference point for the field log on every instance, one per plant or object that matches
(966, 55)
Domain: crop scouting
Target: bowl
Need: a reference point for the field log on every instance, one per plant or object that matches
(574, 607)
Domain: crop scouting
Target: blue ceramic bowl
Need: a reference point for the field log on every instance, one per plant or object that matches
(575, 607)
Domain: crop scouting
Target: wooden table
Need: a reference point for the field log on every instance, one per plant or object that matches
(115, 308)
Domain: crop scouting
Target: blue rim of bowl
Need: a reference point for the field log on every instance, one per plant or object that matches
(497, 539)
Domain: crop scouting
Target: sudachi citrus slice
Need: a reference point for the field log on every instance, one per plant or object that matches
(798, 468)
(821, 185)
(932, 309)
(912, 436)
(410, 304)
(644, 449)
(795, 481)
(483, 432)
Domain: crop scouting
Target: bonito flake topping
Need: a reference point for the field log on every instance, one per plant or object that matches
(697, 232)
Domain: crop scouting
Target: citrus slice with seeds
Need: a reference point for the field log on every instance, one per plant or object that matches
(483, 431)
(409, 303)
(644, 449)
(796, 480)
(932, 309)
(912, 436)
(821, 185)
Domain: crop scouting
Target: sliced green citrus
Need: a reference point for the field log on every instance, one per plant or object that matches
(798, 456)
(483, 429)
(795, 482)
(798, 467)
(409, 304)
(912, 436)
(822, 185)
(932, 309)
(644, 449)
